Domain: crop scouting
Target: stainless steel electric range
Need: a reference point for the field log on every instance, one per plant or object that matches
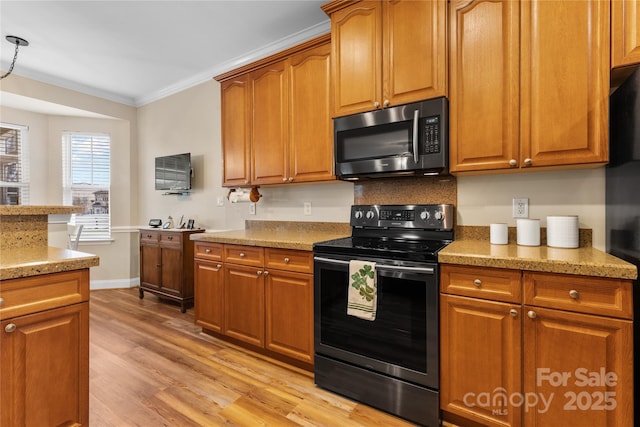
(392, 361)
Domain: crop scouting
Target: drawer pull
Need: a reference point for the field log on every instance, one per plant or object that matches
(219, 266)
(11, 327)
(286, 260)
(531, 314)
(574, 294)
(477, 282)
(242, 255)
(207, 251)
(1, 302)
(148, 236)
(266, 273)
(259, 272)
(170, 238)
(513, 312)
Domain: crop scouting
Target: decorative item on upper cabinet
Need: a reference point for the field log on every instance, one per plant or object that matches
(401, 53)
(546, 103)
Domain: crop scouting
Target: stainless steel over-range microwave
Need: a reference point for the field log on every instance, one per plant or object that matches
(410, 139)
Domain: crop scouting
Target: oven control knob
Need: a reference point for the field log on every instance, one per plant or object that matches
(358, 214)
(439, 215)
(425, 215)
(370, 215)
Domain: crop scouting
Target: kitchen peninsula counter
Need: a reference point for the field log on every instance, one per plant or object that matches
(26, 262)
(586, 261)
(278, 234)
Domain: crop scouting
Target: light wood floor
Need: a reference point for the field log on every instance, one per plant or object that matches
(151, 366)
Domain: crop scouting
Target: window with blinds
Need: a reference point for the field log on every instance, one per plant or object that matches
(14, 165)
(86, 171)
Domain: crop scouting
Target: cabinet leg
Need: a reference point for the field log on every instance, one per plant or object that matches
(141, 293)
(183, 307)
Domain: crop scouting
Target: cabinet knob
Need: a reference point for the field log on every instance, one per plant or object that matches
(148, 236)
(513, 312)
(286, 260)
(259, 272)
(170, 238)
(207, 251)
(290, 179)
(376, 104)
(158, 265)
(513, 163)
(574, 294)
(242, 255)
(284, 179)
(266, 273)
(11, 327)
(528, 162)
(1, 302)
(386, 103)
(477, 282)
(246, 181)
(218, 265)
(531, 314)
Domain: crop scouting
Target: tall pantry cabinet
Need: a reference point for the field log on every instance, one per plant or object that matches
(529, 84)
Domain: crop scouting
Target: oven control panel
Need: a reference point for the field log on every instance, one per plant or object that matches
(431, 217)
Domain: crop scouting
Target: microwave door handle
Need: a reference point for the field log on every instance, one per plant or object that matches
(415, 136)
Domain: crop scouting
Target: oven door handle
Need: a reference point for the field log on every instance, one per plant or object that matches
(428, 270)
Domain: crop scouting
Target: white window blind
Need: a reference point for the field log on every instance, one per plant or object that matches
(86, 175)
(14, 165)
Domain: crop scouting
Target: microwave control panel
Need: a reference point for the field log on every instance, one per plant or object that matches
(431, 135)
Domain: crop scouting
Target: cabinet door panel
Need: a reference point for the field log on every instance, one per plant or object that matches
(484, 93)
(289, 314)
(244, 304)
(150, 265)
(310, 125)
(269, 148)
(209, 296)
(569, 358)
(481, 354)
(625, 32)
(172, 271)
(356, 37)
(45, 369)
(414, 50)
(564, 81)
(235, 125)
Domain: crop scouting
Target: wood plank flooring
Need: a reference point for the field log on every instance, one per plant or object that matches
(151, 366)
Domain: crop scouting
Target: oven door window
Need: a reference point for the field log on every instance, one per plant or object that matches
(406, 307)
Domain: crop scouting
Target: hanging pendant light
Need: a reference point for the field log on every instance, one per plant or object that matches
(18, 41)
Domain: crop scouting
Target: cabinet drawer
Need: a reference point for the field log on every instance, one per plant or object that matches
(583, 294)
(39, 293)
(171, 240)
(245, 255)
(481, 282)
(289, 260)
(149, 237)
(210, 251)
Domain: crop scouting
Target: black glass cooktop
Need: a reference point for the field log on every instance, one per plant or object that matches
(418, 250)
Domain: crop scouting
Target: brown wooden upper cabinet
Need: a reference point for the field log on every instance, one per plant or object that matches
(529, 84)
(386, 53)
(276, 118)
(625, 33)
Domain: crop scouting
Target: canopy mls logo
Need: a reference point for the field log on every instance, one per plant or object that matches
(499, 399)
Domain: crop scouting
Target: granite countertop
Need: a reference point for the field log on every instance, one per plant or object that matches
(276, 234)
(586, 261)
(38, 210)
(33, 261)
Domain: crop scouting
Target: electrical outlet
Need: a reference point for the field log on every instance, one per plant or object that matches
(252, 208)
(220, 201)
(307, 208)
(521, 208)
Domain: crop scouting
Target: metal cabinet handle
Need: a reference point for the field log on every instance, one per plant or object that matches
(259, 272)
(246, 181)
(284, 179)
(11, 327)
(528, 162)
(376, 104)
(290, 179)
(1, 302)
(531, 314)
(169, 237)
(207, 251)
(386, 102)
(148, 236)
(158, 265)
(513, 163)
(286, 260)
(574, 294)
(513, 312)
(477, 282)
(218, 265)
(242, 255)
(266, 273)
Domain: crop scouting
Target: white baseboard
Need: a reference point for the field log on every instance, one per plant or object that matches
(115, 284)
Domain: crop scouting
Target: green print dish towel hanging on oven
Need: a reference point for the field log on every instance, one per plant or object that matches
(362, 299)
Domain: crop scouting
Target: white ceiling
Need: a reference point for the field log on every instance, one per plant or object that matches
(135, 52)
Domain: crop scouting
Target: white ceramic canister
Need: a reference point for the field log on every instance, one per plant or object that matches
(563, 231)
(528, 232)
(499, 234)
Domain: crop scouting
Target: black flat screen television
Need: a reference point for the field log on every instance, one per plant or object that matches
(173, 173)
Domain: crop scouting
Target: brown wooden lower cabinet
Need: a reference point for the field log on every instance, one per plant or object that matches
(255, 295)
(44, 353)
(561, 353)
